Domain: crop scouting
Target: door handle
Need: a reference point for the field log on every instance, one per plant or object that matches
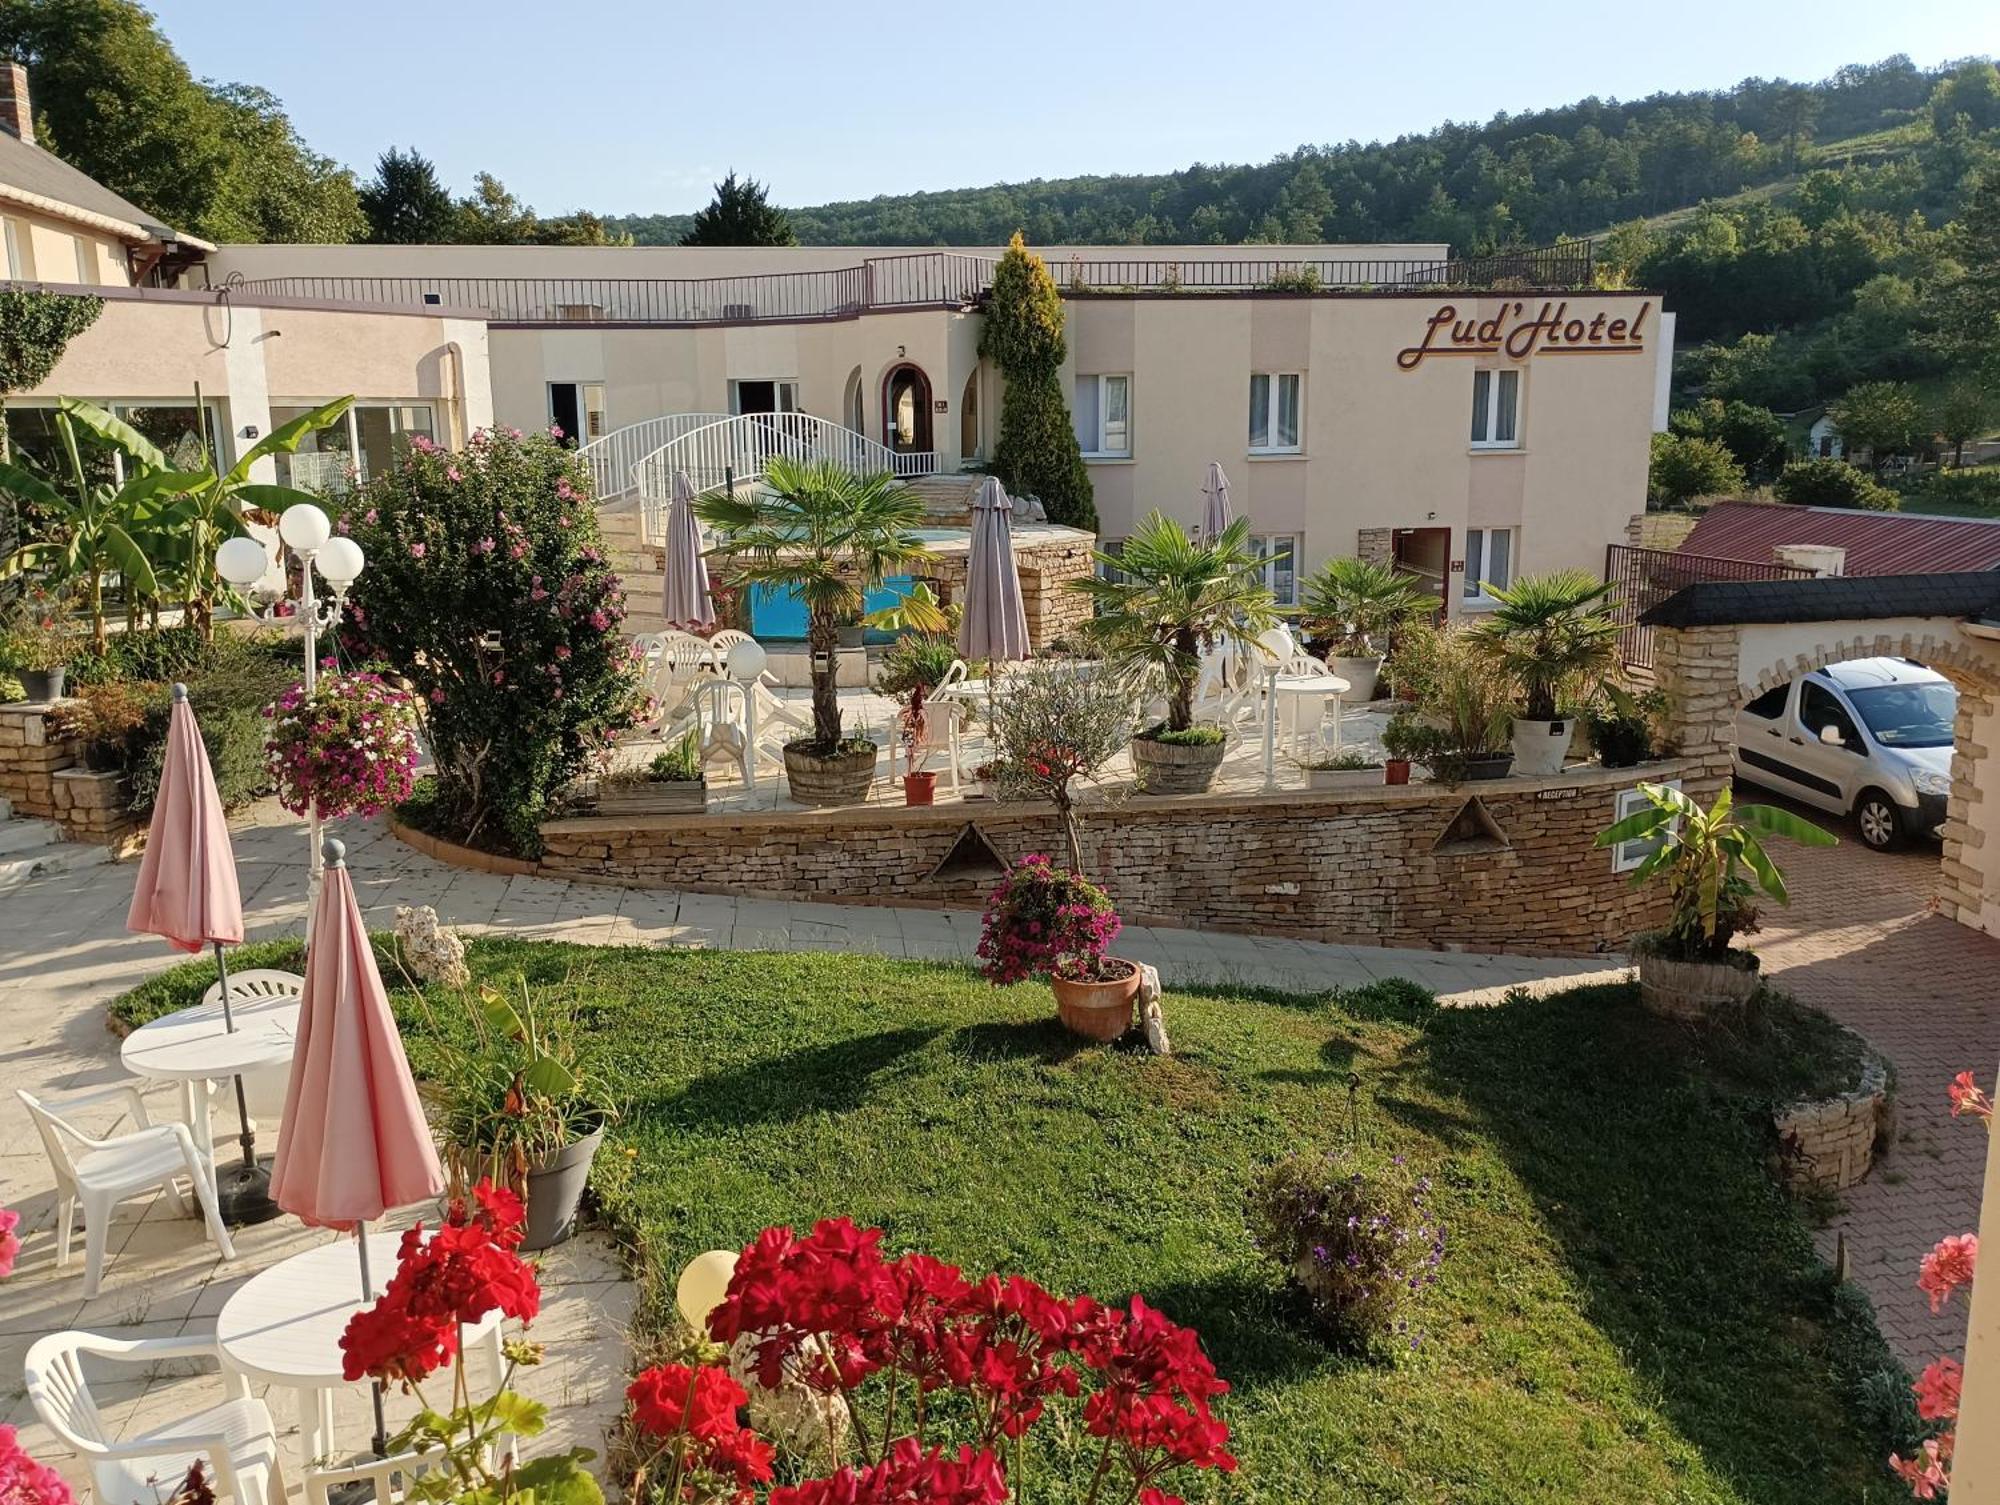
(1772, 731)
(1798, 741)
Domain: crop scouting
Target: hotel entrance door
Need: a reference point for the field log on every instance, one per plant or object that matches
(1425, 555)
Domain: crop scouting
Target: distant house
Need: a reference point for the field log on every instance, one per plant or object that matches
(1823, 438)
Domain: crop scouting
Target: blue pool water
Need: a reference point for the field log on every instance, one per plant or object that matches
(779, 616)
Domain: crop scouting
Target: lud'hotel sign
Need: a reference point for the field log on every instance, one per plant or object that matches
(1515, 335)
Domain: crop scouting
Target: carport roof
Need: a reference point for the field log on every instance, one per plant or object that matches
(1719, 603)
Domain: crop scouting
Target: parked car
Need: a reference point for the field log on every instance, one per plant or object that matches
(1869, 738)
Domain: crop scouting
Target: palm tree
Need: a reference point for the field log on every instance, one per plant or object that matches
(830, 536)
(1175, 599)
(1550, 634)
(1359, 603)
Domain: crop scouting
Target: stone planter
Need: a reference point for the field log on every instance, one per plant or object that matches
(42, 685)
(841, 779)
(1344, 778)
(653, 797)
(555, 1187)
(1360, 674)
(1541, 746)
(1829, 1145)
(1695, 992)
(1173, 768)
(1098, 1010)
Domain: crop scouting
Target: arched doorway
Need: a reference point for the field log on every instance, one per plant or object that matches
(850, 402)
(906, 409)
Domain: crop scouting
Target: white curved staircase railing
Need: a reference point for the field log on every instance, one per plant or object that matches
(613, 457)
(739, 448)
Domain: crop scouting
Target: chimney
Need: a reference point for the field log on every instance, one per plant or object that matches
(1820, 558)
(17, 111)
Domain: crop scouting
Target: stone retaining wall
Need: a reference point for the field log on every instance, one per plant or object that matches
(1830, 1144)
(41, 777)
(1381, 867)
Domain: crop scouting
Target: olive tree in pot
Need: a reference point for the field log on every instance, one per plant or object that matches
(830, 536)
(1715, 866)
(1358, 605)
(1553, 636)
(1057, 726)
(1169, 600)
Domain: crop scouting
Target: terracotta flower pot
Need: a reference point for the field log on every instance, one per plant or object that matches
(920, 788)
(1395, 770)
(1098, 1010)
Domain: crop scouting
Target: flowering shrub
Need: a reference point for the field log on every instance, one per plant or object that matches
(23, 1481)
(488, 589)
(1944, 1270)
(1353, 1232)
(10, 1241)
(446, 1277)
(1043, 921)
(831, 1312)
(347, 748)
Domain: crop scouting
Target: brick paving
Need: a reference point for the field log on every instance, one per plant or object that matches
(1859, 941)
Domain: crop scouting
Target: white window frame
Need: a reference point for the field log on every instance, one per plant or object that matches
(86, 260)
(1273, 405)
(1261, 545)
(1104, 448)
(784, 391)
(1627, 855)
(12, 241)
(1473, 595)
(1495, 379)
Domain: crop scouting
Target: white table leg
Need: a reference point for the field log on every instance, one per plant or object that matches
(315, 1407)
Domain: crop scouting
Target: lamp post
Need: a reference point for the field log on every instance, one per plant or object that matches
(304, 529)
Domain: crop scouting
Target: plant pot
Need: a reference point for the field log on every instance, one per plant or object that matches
(843, 778)
(920, 788)
(1360, 674)
(855, 636)
(1541, 746)
(1697, 991)
(982, 789)
(654, 797)
(42, 684)
(1098, 1010)
(1395, 770)
(555, 1187)
(1345, 778)
(1489, 766)
(1175, 768)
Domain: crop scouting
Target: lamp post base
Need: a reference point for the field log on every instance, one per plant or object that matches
(243, 1194)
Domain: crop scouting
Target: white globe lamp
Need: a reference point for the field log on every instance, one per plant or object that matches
(242, 561)
(340, 560)
(746, 661)
(304, 527)
(702, 1286)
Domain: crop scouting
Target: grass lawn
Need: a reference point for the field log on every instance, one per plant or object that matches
(1631, 1310)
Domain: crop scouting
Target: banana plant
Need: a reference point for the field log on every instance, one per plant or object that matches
(213, 505)
(1714, 863)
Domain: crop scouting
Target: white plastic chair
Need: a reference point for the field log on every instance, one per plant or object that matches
(235, 1440)
(101, 1173)
(391, 1478)
(263, 1091)
(720, 643)
(944, 704)
(722, 711)
(676, 669)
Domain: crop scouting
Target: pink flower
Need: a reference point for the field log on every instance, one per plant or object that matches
(369, 516)
(1967, 1100)
(599, 621)
(484, 546)
(517, 551)
(562, 650)
(1937, 1390)
(555, 431)
(1947, 1267)
(416, 551)
(23, 1481)
(437, 697)
(10, 1243)
(1926, 1475)
(451, 473)
(499, 677)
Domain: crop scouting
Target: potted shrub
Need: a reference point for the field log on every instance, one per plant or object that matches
(1044, 922)
(514, 1107)
(985, 781)
(913, 726)
(1357, 606)
(347, 747)
(1169, 600)
(1350, 769)
(830, 536)
(1057, 724)
(1462, 709)
(672, 783)
(38, 645)
(1714, 865)
(1621, 726)
(1553, 636)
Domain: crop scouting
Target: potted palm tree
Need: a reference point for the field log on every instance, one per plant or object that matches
(1170, 600)
(1358, 605)
(829, 536)
(1554, 637)
(1714, 864)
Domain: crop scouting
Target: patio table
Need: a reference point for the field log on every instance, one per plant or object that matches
(192, 1047)
(1296, 689)
(283, 1327)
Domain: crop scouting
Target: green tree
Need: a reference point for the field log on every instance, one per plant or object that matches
(1754, 436)
(1964, 411)
(1883, 417)
(276, 188)
(1971, 327)
(1972, 93)
(492, 216)
(405, 203)
(1037, 454)
(35, 329)
(1832, 483)
(1686, 467)
(740, 215)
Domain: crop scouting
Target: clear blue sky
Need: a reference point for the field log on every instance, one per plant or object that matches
(627, 106)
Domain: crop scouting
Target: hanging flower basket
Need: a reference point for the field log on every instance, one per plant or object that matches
(348, 748)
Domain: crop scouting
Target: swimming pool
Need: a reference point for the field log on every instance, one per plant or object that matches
(778, 615)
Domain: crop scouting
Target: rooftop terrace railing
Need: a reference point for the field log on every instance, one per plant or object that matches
(925, 279)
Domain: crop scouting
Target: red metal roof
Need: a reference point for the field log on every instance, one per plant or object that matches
(1877, 543)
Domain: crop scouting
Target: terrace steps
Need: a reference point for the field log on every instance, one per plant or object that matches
(30, 849)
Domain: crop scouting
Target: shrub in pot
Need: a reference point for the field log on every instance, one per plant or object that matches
(1458, 729)
(1714, 866)
(1044, 921)
(38, 644)
(1357, 607)
(1344, 770)
(829, 536)
(1622, 726)
(1171, 599)
(1554, 637)
(672, 783)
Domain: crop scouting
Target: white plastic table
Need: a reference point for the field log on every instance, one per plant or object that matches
(191, 1047)
(1296, 688)
(283, 1327)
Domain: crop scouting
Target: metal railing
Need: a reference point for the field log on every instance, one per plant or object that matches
(738, 449)
(928, 279)
(1645, 577)
(614, 458)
